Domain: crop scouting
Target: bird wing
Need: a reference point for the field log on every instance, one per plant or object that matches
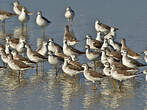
(76, 51)
(97, 44)
(46, 19)
(39, 55)
(126, 73)
(7, 13)
(74, 67)
(21, 64)
(96, 74)
(20, 8)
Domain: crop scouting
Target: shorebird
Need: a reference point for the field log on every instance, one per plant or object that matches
(7, 48)
(105, 44)
(68, 50)
(119, 65)
(145, 57)
(54, 60)
(103, 56)
(129, 62)
(59, 54)
(23, 18)
(17, 64)
(103, 27)
(3, 16)
(43, 48)
(42, 21)
(94, 44)
(107, 69)
(131, 53)
(116, 55)
(4, 56)
(75, 63)
(116, 46)
(121, 75)
(34, 56)
(98, 37)
(17, 8)
(111, 34)
(69, 36)
(52, 46)
(70, 69)
(16, 56)
(69, 15)
(92, 55)
(92, 75)
(17, 44)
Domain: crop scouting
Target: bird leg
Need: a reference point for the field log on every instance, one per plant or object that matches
(120, 85)
(56, 67)
(94, 65)
(114, 83)
(94, 87)
(74, 78)
(26, 29)
(43, 33)
(36, 69)
(22, 28)
(3, 27)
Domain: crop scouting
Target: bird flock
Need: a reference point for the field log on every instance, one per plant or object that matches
(116, 60)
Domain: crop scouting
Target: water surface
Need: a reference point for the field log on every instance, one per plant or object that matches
(45, 92)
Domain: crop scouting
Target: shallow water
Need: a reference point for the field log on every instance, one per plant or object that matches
(45, 92)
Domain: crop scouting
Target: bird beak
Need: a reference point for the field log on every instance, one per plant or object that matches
(141, 52)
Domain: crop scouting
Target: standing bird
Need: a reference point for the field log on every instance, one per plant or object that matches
(92, 75)
(17, 64)
(69, 36)
(69, 50)
(43, 48)
(105, 29)
(3, 16)
(42, 21)
(17, 8)
(34, 56)
(145, 56)
(69, 15)
(23, 18)
(54, 60)
(130, 62)
(131, 53)
(52, 46)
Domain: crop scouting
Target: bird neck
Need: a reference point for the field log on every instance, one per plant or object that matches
(99, 37)
(123, 43)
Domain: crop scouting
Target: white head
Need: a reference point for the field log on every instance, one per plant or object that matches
(44, 43)
(23, 9)
(124, 52)
(88, 36)
(107, 64)
(97, 22)
(51, 40)
(68, 8)
(85, 66)
(16, 3)
(112, 29)
(87, 47)
(39, 13)
(113, 67)
(14, 53)
(145, 52)
(74, 58)
(110, 59)
(65, 42)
